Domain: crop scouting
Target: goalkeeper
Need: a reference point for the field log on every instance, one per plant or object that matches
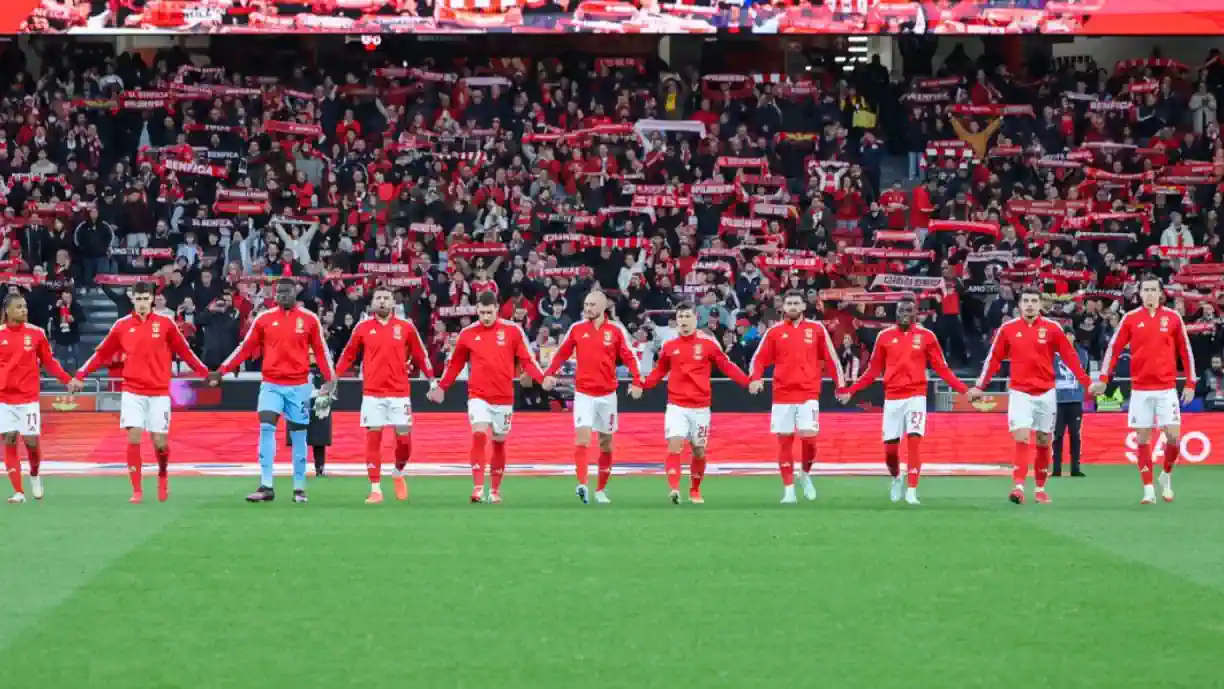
(287, 334)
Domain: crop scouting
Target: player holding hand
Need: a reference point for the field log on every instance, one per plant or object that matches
(1157, 338)
(1030, 343)
(689, 358)
(386, 344)
(798, 349)
(148, 343)
(600, 343)
(23, 349)
(903, 353)
(285, 334)
(495, 348)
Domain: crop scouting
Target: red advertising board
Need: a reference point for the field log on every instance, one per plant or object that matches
(547, 438)
(371, 17)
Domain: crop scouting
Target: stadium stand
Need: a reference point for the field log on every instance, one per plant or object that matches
(541, 179)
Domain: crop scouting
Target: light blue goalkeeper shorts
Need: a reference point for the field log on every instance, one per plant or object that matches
(290, 401)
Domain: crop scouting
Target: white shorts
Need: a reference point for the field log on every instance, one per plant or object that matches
(1154, 409)
(595, 413)
(905, 417)
(787, 419)
(498, 416)
(25, 419)
(377, 412)
(1032, 412)
(150, 413)
(691, 424)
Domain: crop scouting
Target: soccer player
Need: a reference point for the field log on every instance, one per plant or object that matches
(494, 347)
(600, 343)
(688, 358)
(286, 335)
(148, 342)
(903, 353)
(23, 348)
(1030, 343)
(798, 349)
(1157, 338)
(386, 344)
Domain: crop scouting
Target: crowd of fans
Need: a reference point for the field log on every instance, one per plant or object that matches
(541, 180)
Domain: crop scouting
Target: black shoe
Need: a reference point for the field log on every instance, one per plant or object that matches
(1056, 472)
(319, 473)
(299, 497)
(1078, 474)
(264, 494)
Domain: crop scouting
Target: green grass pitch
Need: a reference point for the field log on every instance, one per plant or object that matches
(967, 590)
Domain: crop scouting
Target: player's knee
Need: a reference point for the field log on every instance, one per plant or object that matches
(269, 417)
(605, 442)
(294, 426)
(10, 438)
(1043, 439)
(31, 441)
(698, 452)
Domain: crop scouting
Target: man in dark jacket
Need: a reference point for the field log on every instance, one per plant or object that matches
(66, 320)
(92, 239)
(218, 326)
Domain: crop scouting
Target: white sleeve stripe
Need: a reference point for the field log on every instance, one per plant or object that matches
(331, 370)
(841, 376)
(755, 354)
(568, 332)
(1106, 372)
(981, 381)
(417, 334)
(93, 356)
(1191, 369)
(250, 332)
(628, 344)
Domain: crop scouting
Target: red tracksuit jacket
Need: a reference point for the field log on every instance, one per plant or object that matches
(386, 347)
(903, 357)
(286, 339)
(149, 345)
(1156, 340)
(1031, 348)
(598, 350)
(798, 352)
(689, 359)
(495, 353)
(23, 349)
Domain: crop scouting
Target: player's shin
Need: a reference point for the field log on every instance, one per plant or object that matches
(12, 466)
(267, 453)
(497, 465)
(477, 458)
(133, 467)
(581, 468)
(808, 449)
(1020, 463)
(1172, 451)
(696, 473)
(913, 459)
(673, 466)
(892, 458)
(162, 453)
(1042, 457)
(372, 460)
(34, 453)
(786, 459)
(605, 470)
(1143, 458)
(297, 438)
(403, 453)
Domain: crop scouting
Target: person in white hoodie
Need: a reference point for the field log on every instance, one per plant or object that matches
(1203, 108)
(1177, 235)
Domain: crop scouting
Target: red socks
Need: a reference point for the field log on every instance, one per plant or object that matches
(605, 469)
(35, 455)
(808, 451)
(1020, 463)
(1144, 460)
(403, 450)
(672, 467)
(581, 470)
(892, 457)
(913, 458)
(497, 464)
(1172, 450)
(163, 460)
(477, 456)
(372, 460)
(1041, 466)
(12, 466)
(786, 459)
(133, 464)
(696, 473)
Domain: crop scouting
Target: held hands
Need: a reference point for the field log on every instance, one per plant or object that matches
(1187, 394)
(755, 387)
(328, 389)
(975, 394)
(213, 378)
(548, 383)
(435, 395)
(843, 397)
(75, 385)
(635, 392)
(1097, 388)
